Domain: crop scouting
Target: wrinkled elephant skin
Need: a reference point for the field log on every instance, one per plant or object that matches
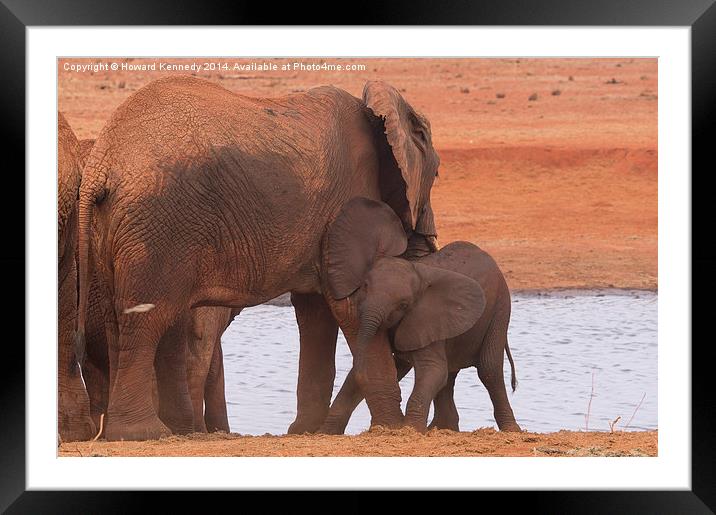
(74, 422)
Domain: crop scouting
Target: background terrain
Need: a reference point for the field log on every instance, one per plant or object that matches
(548, 164)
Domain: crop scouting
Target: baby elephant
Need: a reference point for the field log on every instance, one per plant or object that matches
(457, 291)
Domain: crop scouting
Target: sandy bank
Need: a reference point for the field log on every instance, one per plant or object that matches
(404, 442)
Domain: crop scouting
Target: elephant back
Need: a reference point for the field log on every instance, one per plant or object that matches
(468, 259)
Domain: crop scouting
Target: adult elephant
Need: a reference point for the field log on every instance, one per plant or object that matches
(204, 374)
(73, 404)
(203, 197)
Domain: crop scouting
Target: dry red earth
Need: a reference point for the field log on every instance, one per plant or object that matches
(404, 442)
(560, 189)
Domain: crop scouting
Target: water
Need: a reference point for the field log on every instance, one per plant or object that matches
(559, 341)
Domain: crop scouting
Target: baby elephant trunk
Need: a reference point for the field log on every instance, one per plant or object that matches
(370, 321)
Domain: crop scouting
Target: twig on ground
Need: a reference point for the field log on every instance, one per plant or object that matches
(635, 410)
(589, 406)
(613, 424)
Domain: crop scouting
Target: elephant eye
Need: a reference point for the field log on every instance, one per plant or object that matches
(403, 306)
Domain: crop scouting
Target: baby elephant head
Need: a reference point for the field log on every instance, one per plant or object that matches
(422, 303)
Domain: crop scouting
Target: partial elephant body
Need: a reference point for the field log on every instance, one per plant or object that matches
(483, 346)
(204, 370)
(201, 197)
(74, 422)
(440, 313)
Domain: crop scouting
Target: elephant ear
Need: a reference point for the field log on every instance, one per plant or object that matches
(363, 231)
(400, 121)
(448, 305)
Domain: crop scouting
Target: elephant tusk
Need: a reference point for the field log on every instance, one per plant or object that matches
(139, 308)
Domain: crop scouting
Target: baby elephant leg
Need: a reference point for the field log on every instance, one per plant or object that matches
(490, 371)
(348, 399)
(431, 373)
(446, 415)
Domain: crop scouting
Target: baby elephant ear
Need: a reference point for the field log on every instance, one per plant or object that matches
(449, 304)
(364, 229)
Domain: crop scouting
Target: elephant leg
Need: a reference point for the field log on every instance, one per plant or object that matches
(317, 361)
(198, 360)
(197, 384)
(74, 420)
(377, 377)
(215, 416)
(446, 415)
(491, 373)
(348, 399)
(431, 373)
(170, 364)
(95, 369)
(73, 406)
(131, 414)
(205, 372)
(97, 381)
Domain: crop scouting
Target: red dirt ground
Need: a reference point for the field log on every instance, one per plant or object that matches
(381, 442)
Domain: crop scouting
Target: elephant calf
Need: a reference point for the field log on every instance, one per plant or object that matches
(443, 312)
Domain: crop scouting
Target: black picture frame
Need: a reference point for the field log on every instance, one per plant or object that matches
(700, 15)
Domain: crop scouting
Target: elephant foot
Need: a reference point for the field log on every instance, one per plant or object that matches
(299, 427)
(200, 426)
(442, 424)
(182, 429)
(510, 427)
(147, 429)
(75, 429)
(216, 428)
(179, 425)
(419, 426)
(73, 416)
(212, 424)
(393, 422)
(332, 428)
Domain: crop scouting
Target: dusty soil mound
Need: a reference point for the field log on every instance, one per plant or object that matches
(554, 217)
(382, 442)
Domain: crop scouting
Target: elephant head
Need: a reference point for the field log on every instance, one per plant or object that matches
(420, 303)
(410, 150)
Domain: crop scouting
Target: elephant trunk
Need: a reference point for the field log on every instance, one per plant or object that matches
(370, 321)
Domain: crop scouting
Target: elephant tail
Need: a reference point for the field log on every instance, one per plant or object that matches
(90, 192)
(513, 381)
